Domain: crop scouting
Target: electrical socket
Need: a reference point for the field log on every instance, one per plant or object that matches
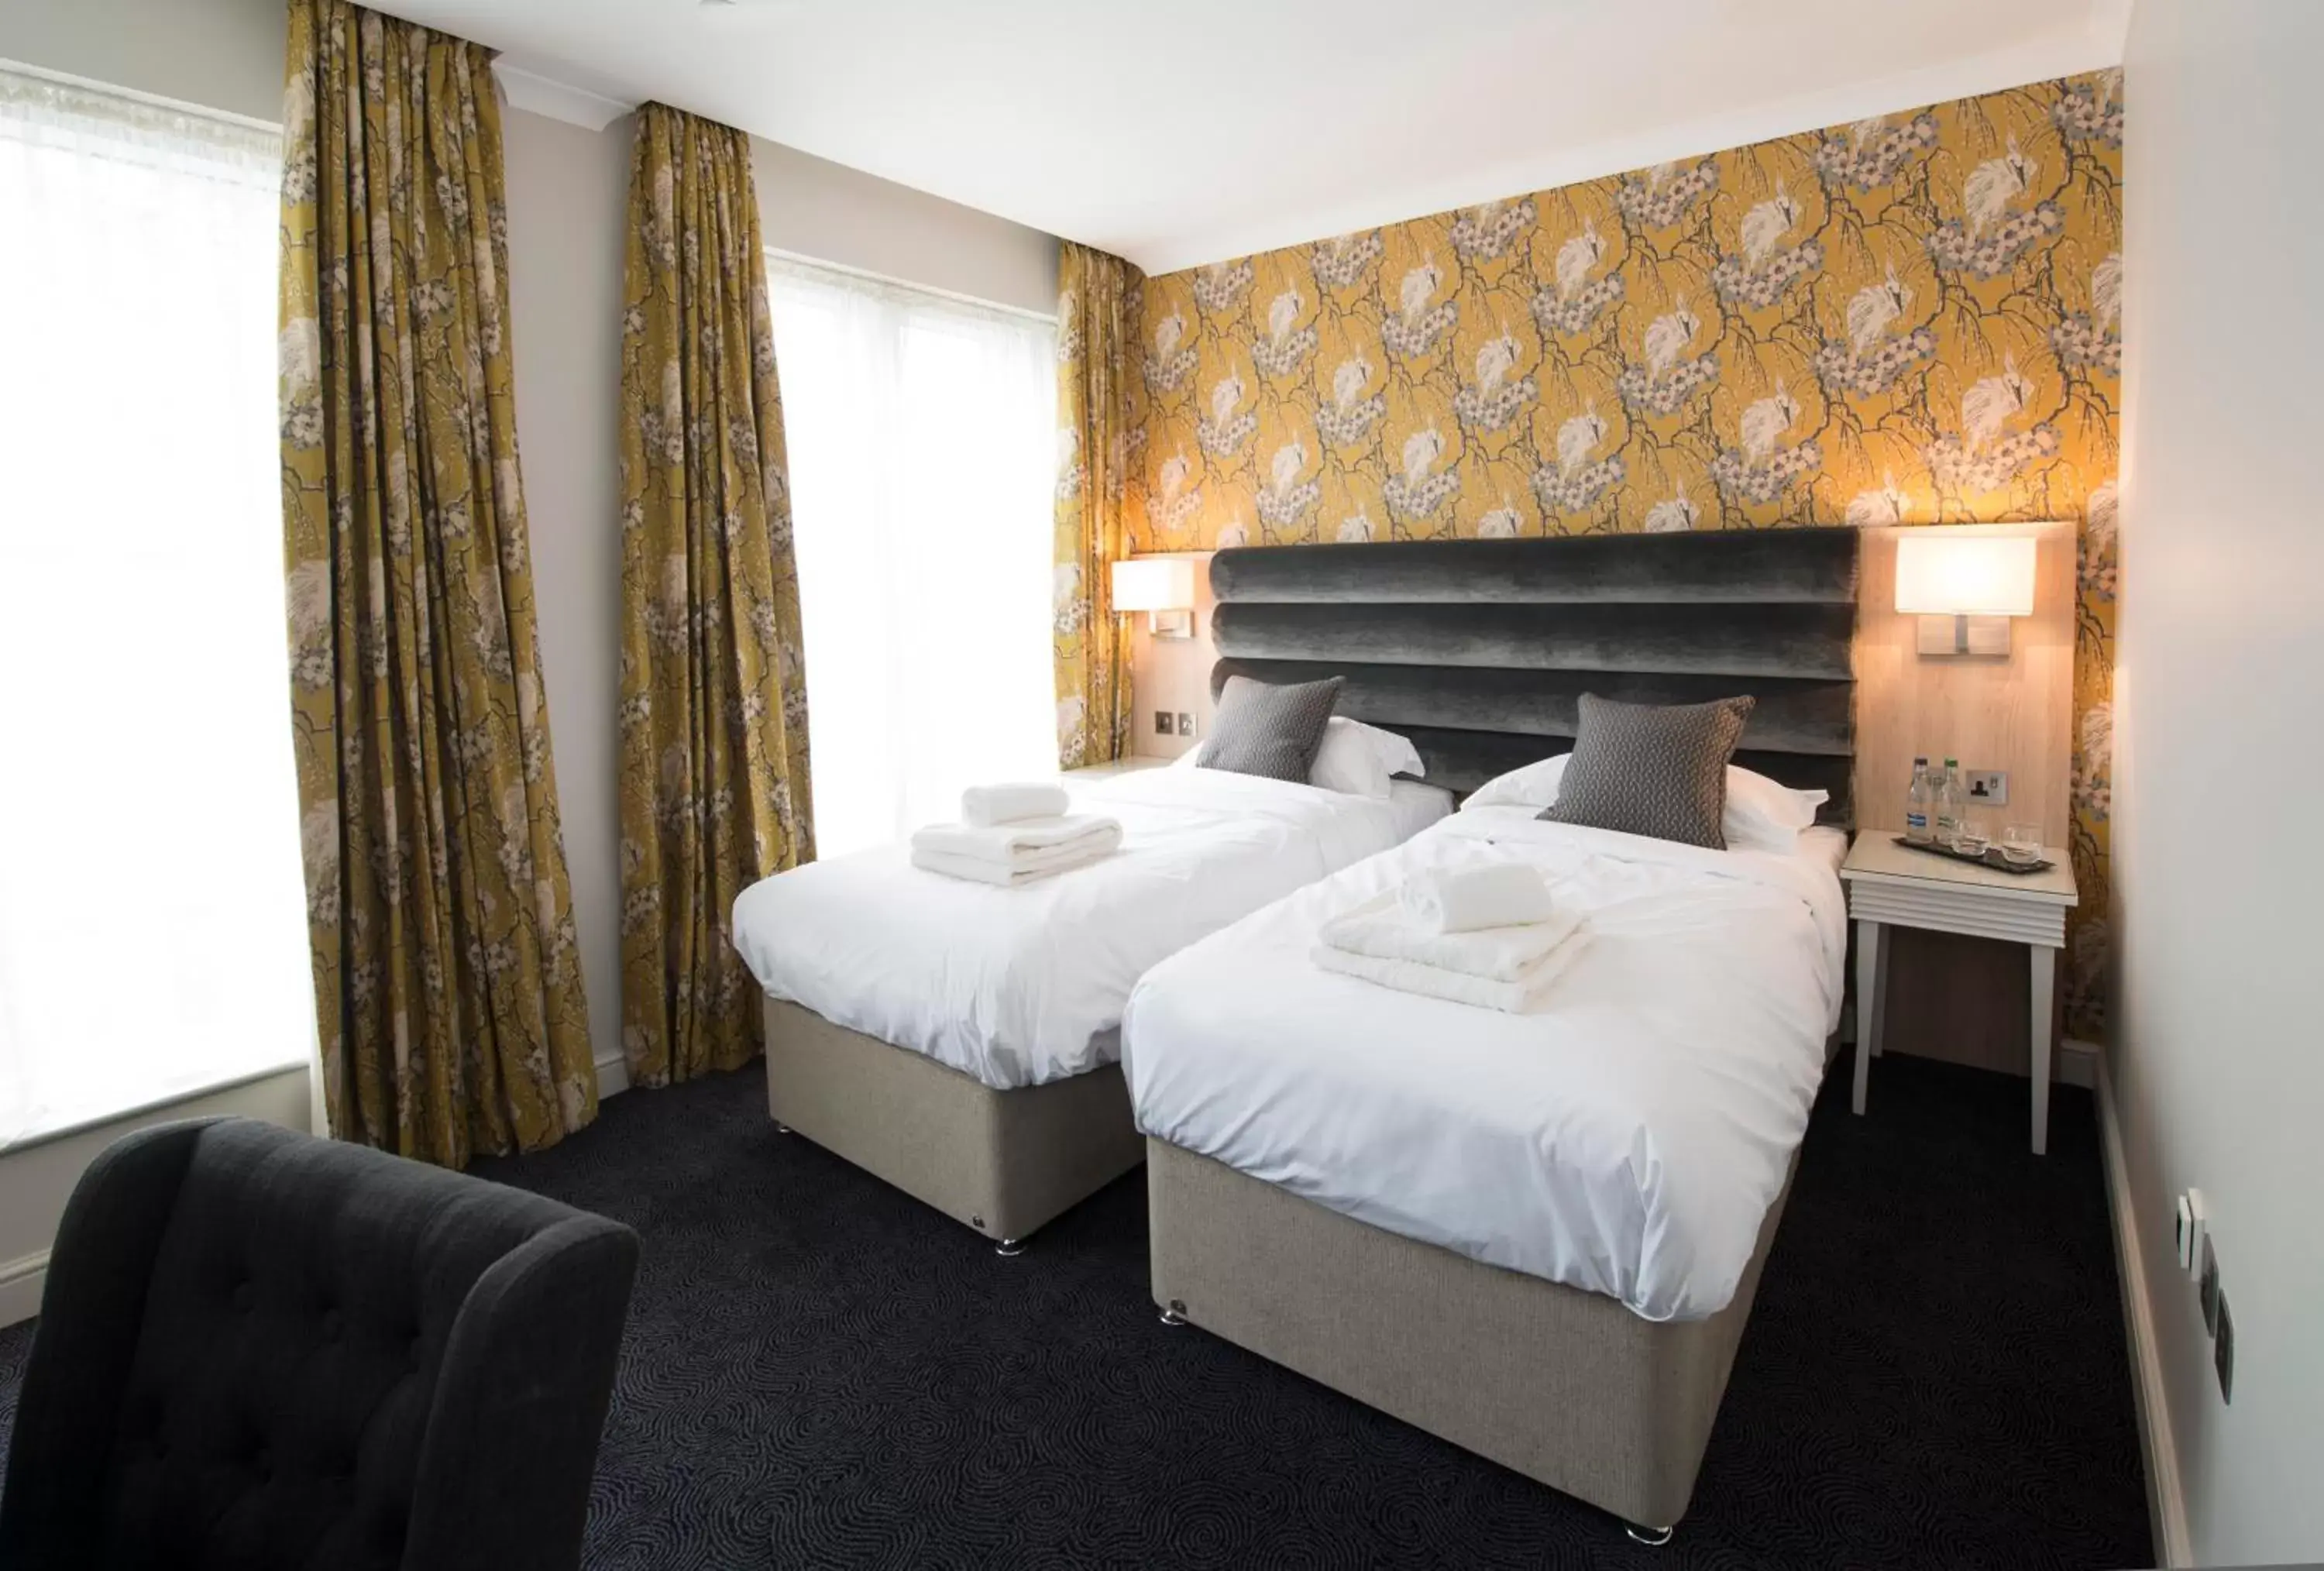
(1988, 787)
(2223, 1351)
(1161, 721)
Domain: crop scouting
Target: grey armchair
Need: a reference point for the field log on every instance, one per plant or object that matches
(260, 1350)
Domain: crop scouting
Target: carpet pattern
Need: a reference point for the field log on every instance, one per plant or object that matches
(821, 1372)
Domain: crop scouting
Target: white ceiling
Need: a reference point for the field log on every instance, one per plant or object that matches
(1178, 132)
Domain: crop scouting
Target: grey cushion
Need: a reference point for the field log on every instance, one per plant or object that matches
(1268, 730)
(1654, 770)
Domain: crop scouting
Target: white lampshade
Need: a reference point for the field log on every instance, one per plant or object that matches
(1943, 573)
(1153, 584)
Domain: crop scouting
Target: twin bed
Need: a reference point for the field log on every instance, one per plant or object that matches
(962, 1040)
(1537, 1236)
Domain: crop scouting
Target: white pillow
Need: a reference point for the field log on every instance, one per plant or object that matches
(1762, 814)
(1765, 814)
(1357, 760)
(1533, 786)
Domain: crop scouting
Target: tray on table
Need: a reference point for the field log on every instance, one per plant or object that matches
(1990, 858)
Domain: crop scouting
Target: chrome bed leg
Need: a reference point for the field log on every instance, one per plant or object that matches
(1652, 1538)
(781, 1128)
(1009, 1248)
(1176, 1314)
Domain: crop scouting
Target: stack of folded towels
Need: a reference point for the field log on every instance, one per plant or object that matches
(1009, 834)
(1489, 936)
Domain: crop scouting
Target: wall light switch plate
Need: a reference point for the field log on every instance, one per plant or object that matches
(2210, 1288)
(2183, 1235)
(2199, 1224)
(1186, 724)
(1988, 787)
(1161, 721)
(2223, 1351)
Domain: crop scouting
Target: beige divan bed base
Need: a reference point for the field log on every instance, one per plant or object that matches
(1567, 1387)
(1004, 1162)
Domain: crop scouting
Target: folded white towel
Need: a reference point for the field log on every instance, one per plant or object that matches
(1382, 930)
(980, 807)
(1494, 894)
(1008, 844)
(1035, 865)
(1522, 996)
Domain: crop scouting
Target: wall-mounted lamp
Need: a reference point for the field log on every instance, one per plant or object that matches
(1964, 588)
(1161, 587)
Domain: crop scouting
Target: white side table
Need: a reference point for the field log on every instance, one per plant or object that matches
(1889, 885)
(1132, 765)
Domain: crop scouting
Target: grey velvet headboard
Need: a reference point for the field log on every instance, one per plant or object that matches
(1478, 649)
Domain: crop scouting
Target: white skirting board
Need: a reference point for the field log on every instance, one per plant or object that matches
(21, 1282)
(2166, 1504)
(612, 1076)
(2078, 1064)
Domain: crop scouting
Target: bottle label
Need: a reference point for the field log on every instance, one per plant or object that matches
(1917, 822)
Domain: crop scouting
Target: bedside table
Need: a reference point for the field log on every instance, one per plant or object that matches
(1891, 886)
(1132, 765)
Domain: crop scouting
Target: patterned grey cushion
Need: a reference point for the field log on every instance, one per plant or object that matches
(1648, 769)
(1270, 730)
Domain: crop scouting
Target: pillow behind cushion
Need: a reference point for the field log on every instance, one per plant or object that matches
(1653, 770)
(1361, 760)
(1268, 730)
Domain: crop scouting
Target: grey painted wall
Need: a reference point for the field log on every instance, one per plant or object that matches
(2219, 748)
(221, 54)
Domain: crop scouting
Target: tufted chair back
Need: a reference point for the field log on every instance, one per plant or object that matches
(259, 1350)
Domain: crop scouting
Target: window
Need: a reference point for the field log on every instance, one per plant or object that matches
(153, 932)
(920, 435)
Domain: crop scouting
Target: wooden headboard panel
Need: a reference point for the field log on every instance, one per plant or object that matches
(2013, 713)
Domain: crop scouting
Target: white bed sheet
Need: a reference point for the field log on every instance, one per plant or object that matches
(1018, 986)
(1626, 1139)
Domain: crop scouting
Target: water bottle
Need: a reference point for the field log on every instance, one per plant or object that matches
(1917, 803)
(1949, 805)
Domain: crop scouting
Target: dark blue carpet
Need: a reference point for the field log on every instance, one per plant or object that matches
(820, 1371)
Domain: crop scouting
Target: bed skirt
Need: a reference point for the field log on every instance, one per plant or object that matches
(1567, 1387)
(1004, 1162)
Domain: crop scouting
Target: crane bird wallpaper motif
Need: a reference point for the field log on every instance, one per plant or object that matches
(1912, 319)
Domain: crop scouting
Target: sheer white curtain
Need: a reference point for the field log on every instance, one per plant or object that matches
(920, 431)
(153, 925)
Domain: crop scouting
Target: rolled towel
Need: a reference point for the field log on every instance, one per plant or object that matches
(981, 807)
(1033, 866)
(1379, 929)
(1493, 894)
(1523, 995)
(1007, 844)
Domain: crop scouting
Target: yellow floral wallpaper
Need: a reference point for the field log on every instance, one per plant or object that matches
(1912, 319)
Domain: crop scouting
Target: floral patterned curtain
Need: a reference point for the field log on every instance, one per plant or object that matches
(1097, 295)
(713, 688)
(448, 984)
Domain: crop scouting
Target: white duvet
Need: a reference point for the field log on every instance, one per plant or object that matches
(1018, 986)
(1626, 1138)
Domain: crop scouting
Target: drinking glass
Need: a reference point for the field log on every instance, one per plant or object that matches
(1973, 839)
(2021, 843)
